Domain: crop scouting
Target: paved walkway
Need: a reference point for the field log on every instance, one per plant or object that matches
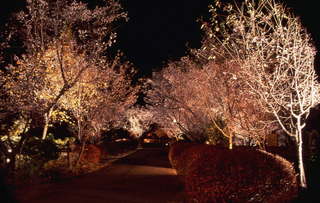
(145, 176)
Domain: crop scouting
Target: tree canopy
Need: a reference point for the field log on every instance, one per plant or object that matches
(64, 72)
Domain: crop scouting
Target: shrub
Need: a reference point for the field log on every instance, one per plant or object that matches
(41, 149)
(90, 155)
(186, 159)
(103, 149)
(182, 155)
(241, 175)
(191, 154)
(35, 155)
(176, 150)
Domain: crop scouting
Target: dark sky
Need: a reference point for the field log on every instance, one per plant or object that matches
(159, 29)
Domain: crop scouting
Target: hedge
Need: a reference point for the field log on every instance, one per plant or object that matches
(183, 155)
(176, 150)
(241, 175)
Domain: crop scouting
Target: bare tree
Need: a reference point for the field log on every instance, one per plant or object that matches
(276, 56)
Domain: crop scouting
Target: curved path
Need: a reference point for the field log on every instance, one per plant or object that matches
(145, 176)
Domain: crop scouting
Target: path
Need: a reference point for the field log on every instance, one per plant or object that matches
(145, 176)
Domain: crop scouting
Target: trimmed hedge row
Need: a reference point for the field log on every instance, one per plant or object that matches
(176, 150)
(217, 174)
(183, 155)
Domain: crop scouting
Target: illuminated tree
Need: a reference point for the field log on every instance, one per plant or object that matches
(139, 120)
(54, 32)
(276, 59)
(13, 133)
(172, 96)
(19, 113)
(64, 42)
(217, 92)
(99, 100)
(189, 95)
(224, 96)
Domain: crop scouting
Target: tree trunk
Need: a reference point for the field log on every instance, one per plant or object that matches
(47, 117)
(230, 129)
(19, 160)
(230, 141)
(69, 150)
(69, 160)
(11, 156)
(264, 139)
(303, 181)
(81, 153)
(79, 129)
(12, 163)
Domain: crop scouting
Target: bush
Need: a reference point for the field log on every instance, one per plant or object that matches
(103, 149)
(41, 149)
(241, 175)
(36, 153)
(90, 155)
(176, 150)
(185, 155)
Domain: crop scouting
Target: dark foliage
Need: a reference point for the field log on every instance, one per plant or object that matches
(41, 149)
(35, 154)
(126, 145)
(61, 131)
(114, 148)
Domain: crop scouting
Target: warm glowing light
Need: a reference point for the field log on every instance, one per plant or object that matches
(146, 140)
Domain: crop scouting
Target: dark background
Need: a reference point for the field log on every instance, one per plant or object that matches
(158, 30)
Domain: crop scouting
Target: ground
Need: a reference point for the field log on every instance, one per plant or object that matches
(143, 176)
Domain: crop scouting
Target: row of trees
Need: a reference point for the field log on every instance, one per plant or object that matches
(253, 74)
(63, 74)
(255, 71)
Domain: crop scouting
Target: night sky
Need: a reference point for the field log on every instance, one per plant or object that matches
(158, 30)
